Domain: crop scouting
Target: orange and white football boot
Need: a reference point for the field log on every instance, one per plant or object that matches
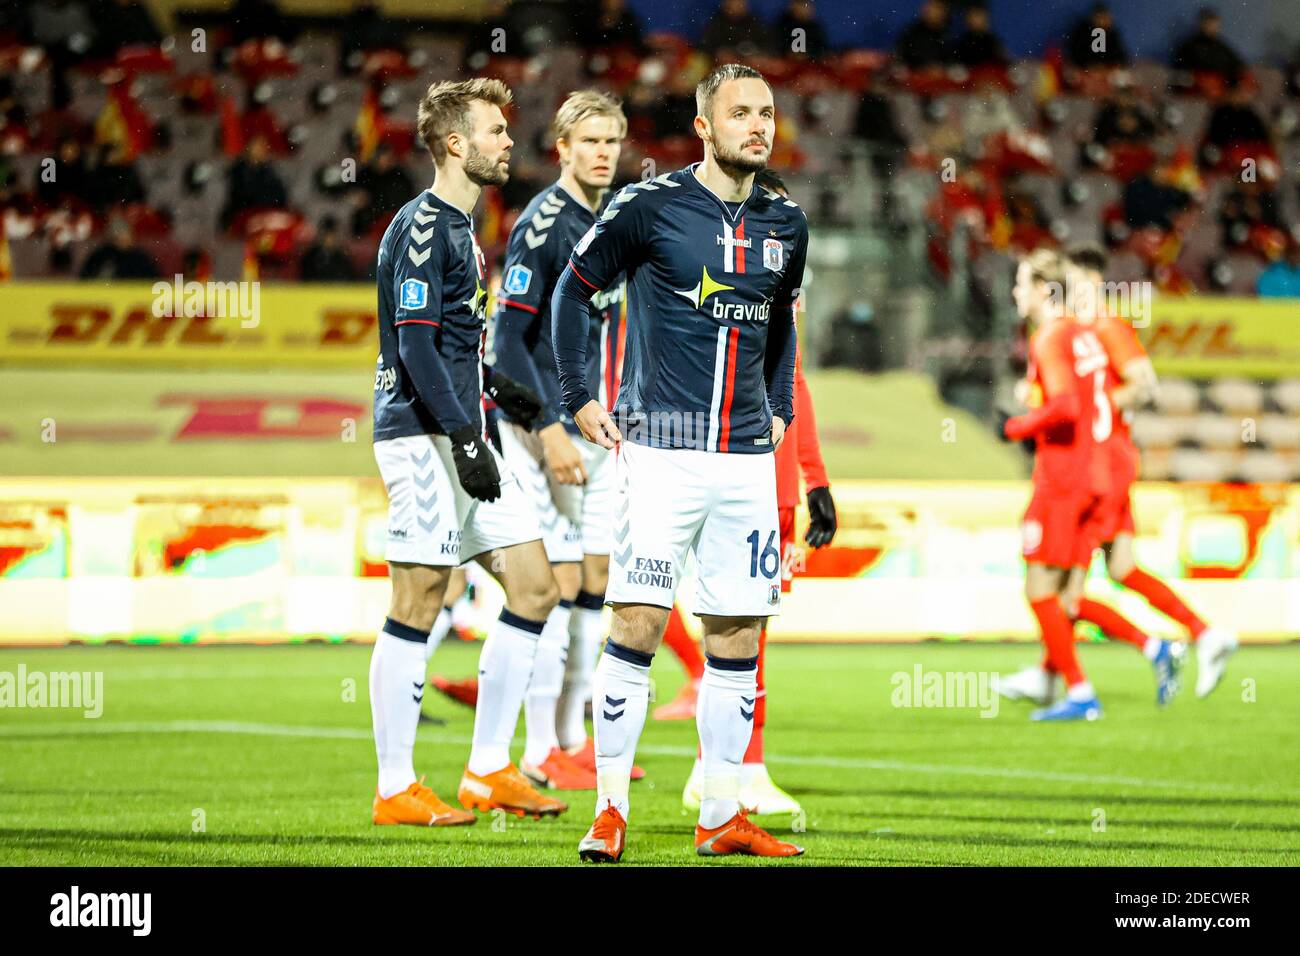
(506, 789)
(605, 840)
(559, 771)
(738, 835)
(461, 691)
(419, 806)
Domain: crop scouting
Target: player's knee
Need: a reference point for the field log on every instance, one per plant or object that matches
(639, 626)
(417, 596)
(534, 596)
(595, 575)
(568, 577)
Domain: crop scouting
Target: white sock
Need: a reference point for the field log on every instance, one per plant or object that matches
(586, 629)
(727, 695)
(396, 691)
(544, 685)
(620, 697)
(1081, 691)
(1151, 649)
(504, 666)
(441, 627)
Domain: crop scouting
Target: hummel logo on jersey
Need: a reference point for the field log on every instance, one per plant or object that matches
(707, 287)
(470, 449)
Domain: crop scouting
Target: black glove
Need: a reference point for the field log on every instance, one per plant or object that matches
(821, 518)
(1004, 416)
(476, 467)
(519, 402)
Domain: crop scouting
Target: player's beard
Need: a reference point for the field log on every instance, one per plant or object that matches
(484, 171)
(737, 162)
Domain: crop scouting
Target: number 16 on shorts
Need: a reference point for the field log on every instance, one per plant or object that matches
(766, 563)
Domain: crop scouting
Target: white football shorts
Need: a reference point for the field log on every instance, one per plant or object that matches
(719, 507)
(575, 519)
(431, 518)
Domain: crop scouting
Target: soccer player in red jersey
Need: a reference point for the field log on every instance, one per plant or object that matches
(1131, 382)
(1067, 364)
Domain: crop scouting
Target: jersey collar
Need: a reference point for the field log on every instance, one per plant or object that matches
(740, 210)
(452, 206)
(582, 203)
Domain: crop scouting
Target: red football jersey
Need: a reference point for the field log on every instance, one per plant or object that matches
(1066, 357)
(1122, 346)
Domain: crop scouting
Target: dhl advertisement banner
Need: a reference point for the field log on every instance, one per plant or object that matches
(1208, 337)
(208, 560)
(240, 325)
(188, 324)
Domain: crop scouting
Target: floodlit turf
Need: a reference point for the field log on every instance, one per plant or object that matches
(265, 749)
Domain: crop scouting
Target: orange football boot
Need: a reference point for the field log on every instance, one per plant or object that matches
(461, 691)
(605, 840)
(738, 835)
(585, 757)
(559, 771)
(681, 707)
(418, 806)
(506, 789)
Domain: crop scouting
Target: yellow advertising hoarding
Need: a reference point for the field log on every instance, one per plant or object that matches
(333, 326)
(1210, 337)
(217, 325)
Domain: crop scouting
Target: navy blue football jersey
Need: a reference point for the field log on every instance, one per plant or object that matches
(704, 285)
(540, 243)
(431, 271)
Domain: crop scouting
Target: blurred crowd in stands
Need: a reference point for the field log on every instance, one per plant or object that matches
(269, 145)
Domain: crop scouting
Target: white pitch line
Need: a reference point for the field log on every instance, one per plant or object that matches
(456, 740)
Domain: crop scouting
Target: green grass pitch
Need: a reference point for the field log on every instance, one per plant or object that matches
(267, 749)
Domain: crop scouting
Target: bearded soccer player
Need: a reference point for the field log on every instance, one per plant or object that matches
(451, 499)
(1067, 366)
(569, 479)
(1131, 382)
(800, 452)
(707, 391)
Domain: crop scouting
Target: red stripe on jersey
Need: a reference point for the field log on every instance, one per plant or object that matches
(619, 341)
(579, 275)
(740, 250)
(608, 361)
(518, 305)
(436, 325)
(728, 389)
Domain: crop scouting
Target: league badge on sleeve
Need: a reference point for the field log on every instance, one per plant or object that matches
(773, 254)
(517, 280)
(415, 294)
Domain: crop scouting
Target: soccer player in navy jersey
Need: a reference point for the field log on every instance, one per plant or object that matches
(713, 266)
(569, 479)
(451, 499)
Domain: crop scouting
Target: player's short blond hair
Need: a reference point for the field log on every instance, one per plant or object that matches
(445, 109)
(583, 104)
(1046, 265)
